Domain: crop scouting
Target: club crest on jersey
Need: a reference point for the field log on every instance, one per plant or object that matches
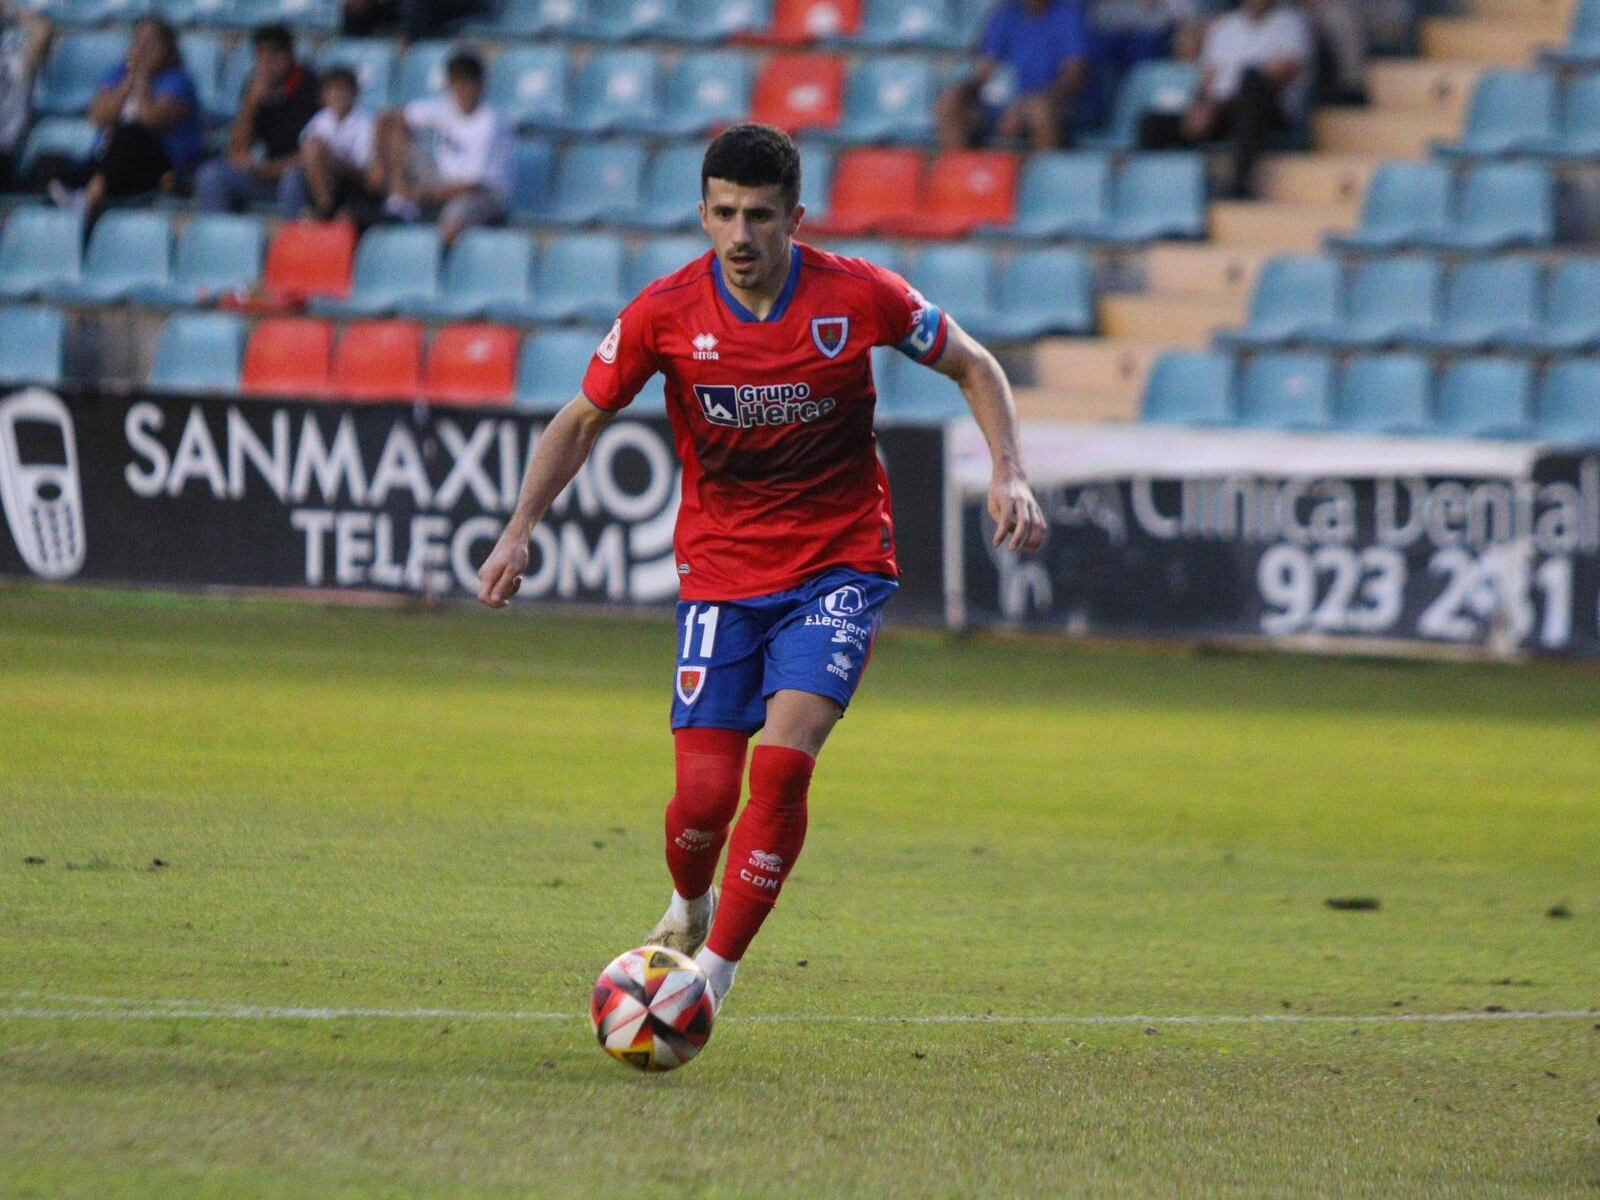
(830, 334)
(691, 681)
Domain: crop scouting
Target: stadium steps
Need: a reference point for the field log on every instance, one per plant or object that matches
(1203, 270)
(1106, 367)
(1280, 226)
(1559, 11)
(1386, 133)
(1322, 179)
(1498, 41)
(1076, 403)
(1178, 320)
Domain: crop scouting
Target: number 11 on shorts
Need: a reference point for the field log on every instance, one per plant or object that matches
(707, 620)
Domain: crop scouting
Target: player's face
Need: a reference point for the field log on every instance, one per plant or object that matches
(751, 230)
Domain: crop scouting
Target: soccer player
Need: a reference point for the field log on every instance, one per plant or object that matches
(785, 539)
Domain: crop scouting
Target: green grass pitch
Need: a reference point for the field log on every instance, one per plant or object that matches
(370, 809)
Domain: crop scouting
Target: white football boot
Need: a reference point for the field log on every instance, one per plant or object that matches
(684, 933)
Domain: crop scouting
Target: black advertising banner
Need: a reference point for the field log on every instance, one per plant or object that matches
(150, 489)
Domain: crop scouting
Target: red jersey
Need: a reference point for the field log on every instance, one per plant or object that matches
(773, 418)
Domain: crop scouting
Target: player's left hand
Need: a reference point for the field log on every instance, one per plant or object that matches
(1018, 519)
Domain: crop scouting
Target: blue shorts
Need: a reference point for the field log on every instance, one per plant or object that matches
(814, 638)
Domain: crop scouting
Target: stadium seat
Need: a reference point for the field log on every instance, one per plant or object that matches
(219, 255)
(966, 189)
(1190, 387)
(1156, 196)
(317, 16)
(1155, 85)
(1405, 203)
(1485, 397)
(872, 188)
(199, 352)
(816, 183)
(1569, 403)
(72, 72)
(614, 90)
(1582, 48)
(1511, 111)
(310, 258)
(577, 278)
(1485, 300)
(960, 280)
(661, 256)
(909, 24)
(798, 22)
(129, 249)
(1571, 320)
(889, 100)
(1292, 295)
(909, 393)
(551, 367)
(484, 267)
(40, 247)
(182, 13)
(534, 19)
(702, 92)
(422, 71)
(884, 254)
(237, 65)
(1286, 391)
(798, 92)
(1577, 138)
(72, 137)
(712, 21)
(83, 13)
(372, 60)
(671, 190)
(1384, 393)
(288, 356)
(531, 86)
(1387, 297)
(533, 167)
(203, 58)
(378, 360)
(1040, 292)
(394, 264)
(32, 345)
(1500, 206)
(1060, 194)
(471, 364)
(628, 20)
(597, 181)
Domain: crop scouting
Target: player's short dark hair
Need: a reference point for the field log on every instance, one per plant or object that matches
(464, 67)
(273, 37)
(342, 76)
(754, 155)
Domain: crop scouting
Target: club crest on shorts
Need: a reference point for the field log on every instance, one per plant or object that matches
(691, 680)
(830, 334)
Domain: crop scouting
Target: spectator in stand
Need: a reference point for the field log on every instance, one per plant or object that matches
(336, 158)
(1033, 64)
(1341, 27)
(264, 144)
(149, 115)
(461, 173)
(23, 44)
(1130, 31)
(1255, 75)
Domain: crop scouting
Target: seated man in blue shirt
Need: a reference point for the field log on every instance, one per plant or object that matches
(1033, 62)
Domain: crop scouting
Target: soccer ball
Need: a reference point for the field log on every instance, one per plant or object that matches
(652, 1009)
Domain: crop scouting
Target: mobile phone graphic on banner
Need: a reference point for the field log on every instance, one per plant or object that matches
(39, 485)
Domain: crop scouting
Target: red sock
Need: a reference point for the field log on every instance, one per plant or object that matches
(766, 842)
(710, 766)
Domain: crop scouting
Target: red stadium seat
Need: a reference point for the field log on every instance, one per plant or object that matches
(379, 360)
(799, 22)
(472, 364)
(797, 92)
(288, 356)
(966, 189)
(872, 188)
(310, 258)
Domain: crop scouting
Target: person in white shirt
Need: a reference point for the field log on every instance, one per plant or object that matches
(336, 155)
(1255, 79)
(449, 155)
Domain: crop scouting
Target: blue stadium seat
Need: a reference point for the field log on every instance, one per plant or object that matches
(889, 100)
(1040, 292)
(672, 190)
(960, 280)
(1582, 48)
(32, 345)
(661, 256)
(372, 60)
(1190, 387)
(1286, 391)
(531, 86)
(129, 249)
(533, 19)
(1384, 393)
(1405, 203)
(533, 168)
(74, 137)
(1156, 196)
(911, 394)
(1578, 137)
(884, 254)
(896, 24)
(73, 70)
(629, 20)
(237, 65)
(181, 13)
(701, 92)
(816, 180)
(1485, 300)
(1155, 85)
(1387, 297)
(1293, 295)
(81, 13)
(1569, 402)
(218, 254)
(1485, 397)
(203, 56)
(395, 265)
(551, 367)
(199, 352)
(422, 71)
(1571, 321)
(40, 246)
(577, 278)
(597, 181)
(484, 267)
(313, 16)
(1511, 111)
(1061, 194)
(713, 21)
(614, 90)
(1500, 206)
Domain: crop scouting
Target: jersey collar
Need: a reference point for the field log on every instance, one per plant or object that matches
(784, 297)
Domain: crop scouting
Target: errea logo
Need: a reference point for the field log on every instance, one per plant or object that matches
(705, 347)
